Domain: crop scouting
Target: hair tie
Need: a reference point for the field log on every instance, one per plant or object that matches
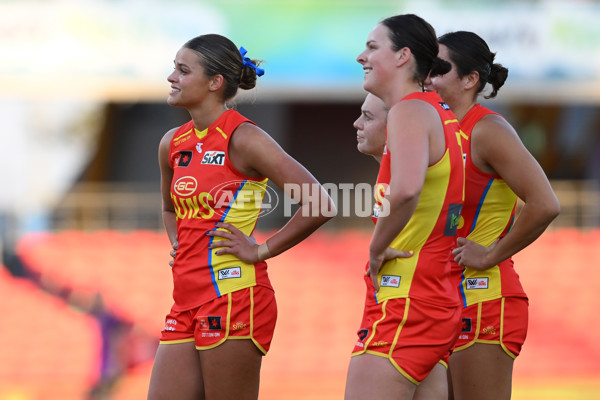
(248, 62)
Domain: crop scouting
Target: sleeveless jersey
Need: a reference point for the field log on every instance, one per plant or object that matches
(488, 214)
(431, 231)
(206, 189)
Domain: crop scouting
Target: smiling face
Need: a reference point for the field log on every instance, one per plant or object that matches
(378, 60)
(189, 84)
(370, 126)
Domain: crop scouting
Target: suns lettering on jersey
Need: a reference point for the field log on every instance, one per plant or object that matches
(196, 206)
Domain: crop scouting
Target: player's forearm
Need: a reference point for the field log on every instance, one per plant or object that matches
(307, 219)
(530, 224)
(170, 222)
(393, 222)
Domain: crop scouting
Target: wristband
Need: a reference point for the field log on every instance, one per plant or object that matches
(263, 252)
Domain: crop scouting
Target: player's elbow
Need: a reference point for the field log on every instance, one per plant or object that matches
(551, 209)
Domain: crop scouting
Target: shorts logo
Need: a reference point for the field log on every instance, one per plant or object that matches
(183, 159)
(209, 323)
(489, 330)
(239, 325)
(230, 273)
(381, 343)
(212, 157)
(467, 325)
(362, 334)
(170, 325)
(452, 220)
(390, 281)
(477, 283)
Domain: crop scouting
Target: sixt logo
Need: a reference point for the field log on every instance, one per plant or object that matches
(390, 281)
(230, 273)
(477, 283)
(214, 158)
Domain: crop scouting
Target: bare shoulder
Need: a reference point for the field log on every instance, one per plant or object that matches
(253, 151)
(413, 107)
(251, 139)
(495, 145)
(248, 134)
(411, 115)
(165, 142)
(496, 124)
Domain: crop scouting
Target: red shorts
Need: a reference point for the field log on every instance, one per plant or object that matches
(413, 335)
(244, 314)
(502, 321)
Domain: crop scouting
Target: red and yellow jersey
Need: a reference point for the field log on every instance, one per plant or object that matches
(488, 214)
(431, 231)
(207, 189)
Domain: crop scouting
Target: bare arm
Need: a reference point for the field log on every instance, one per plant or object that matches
(166, 177)
(255, 153)
(496, 148)
(411, 124)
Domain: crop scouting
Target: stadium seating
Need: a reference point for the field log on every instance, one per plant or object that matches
(49, 350)
(320, 289)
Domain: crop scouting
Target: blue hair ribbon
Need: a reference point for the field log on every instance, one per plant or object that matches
(248, 62)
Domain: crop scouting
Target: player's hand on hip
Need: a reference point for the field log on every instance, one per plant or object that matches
(236, 243)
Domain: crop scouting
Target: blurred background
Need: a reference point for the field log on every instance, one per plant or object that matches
(84, 269)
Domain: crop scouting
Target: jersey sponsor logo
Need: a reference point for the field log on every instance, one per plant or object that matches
(209, 323)
(444, 106)
(183, 159)
(376, 211)
(390, 281)
(213, 158)
(230, 273)
(467, 325)
(182, 139)
(362, 334)
(477, 283)
(454, 211)
(185, 186)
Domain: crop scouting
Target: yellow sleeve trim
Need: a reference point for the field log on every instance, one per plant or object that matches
(222, 133)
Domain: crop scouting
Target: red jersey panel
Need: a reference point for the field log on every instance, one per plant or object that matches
(431, 231)
(206, 189)
(488, 214)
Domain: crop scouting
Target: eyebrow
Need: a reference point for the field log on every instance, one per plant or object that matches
(180, 64)
(368, 113)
